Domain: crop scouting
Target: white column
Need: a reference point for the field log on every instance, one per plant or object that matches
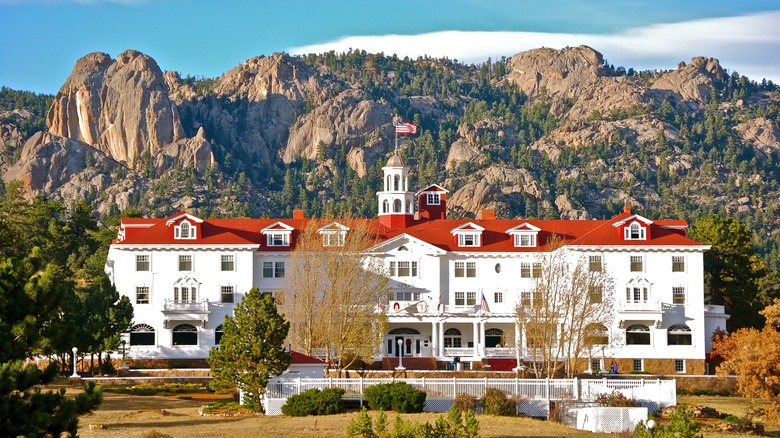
(435, 338)
(441, 338)
(482, 338)
(475, 337)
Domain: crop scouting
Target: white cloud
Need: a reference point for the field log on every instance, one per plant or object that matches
(747, 44)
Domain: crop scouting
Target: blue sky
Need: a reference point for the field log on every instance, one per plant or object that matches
(40, 40)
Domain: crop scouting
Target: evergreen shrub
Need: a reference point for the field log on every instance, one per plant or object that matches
(315, 402)
(397, 396)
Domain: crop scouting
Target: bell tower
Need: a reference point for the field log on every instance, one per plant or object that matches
(396, 202)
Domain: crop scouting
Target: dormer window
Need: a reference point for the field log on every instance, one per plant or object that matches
(277, 234)
(185, 230)
(468, 235)
(434, 198)
(468, 239)
(634, 232)
(278, 239)
(524, 235)
(333, 234)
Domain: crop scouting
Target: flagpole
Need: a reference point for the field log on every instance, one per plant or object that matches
(395, 120)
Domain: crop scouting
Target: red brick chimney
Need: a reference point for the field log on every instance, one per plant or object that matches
(298, 213)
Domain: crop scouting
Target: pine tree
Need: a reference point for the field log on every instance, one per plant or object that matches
(251, 350)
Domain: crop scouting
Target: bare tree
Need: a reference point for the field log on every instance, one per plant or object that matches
(332, 303)
(566, 314)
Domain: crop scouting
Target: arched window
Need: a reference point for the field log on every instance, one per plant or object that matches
(388, 183)
(596, 334)
(385, 206)
(494, 337)
(397, 206)
(679, 334)
(404, 331)
(185, 334)
(184, 230)
(142, 334)
(408, 207)
(185, 290)
(452, 338)
(635, 232)
(638, 334)
(397, 182)
(218, 334)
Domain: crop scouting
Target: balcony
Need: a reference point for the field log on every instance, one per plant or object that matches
(647, 307)
(186, 310)
(413, 307)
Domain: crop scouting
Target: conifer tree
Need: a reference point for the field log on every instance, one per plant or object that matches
(251, 350)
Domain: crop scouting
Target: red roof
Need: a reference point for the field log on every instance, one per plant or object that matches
(494, 238)
(300, 358)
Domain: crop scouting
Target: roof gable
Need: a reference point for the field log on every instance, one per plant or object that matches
(183, 215)
(525, 226)
(467, 227)
(277, 226)
(435, 188)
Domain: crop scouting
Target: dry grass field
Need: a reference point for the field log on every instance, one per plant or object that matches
(123, 415)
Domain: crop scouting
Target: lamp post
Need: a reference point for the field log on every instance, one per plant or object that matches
(400, 343)
(651, 427)
(124, 363)
(75, 375)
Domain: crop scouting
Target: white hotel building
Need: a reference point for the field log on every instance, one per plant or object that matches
(183, 274)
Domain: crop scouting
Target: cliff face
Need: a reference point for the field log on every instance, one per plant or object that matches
(278, 131)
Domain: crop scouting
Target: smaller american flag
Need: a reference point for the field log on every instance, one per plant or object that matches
(483, 305)
(405, 128)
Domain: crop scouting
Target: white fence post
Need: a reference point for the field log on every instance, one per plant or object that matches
(576, 392)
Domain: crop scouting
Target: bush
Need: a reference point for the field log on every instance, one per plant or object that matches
(455, 425)
(315, 402)
(466, 402)
(495, 402)
(616, 400)
(396, 396)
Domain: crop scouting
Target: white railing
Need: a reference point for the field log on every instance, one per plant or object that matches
(186, 306)
(653, 394)
(499, 352)
(539, 389)
(459, 351)
(639, 306)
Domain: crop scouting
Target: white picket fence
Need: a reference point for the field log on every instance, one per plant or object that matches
(533, 393)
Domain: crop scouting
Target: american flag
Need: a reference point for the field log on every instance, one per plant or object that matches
(483, 306)
(405, 128)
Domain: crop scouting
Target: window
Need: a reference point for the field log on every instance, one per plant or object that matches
(273, 269)
(460, 298)
(636, 264)
(185, 294)
(227, 262)
(636, 295)
(333, 238)
(227, 293)
(678, 264)
(407, 296)
(594, 263)
(679, 334)
(434, 199)
(525, 299)
(452, 338)
(525, 270)
(459, 269)
(142, 262)
(638, 334)
(185, 231)
(678, 295)
(185, 262)
(468, 239)
(525, 239)
(185, 334)
(405, 269)
(679, 365)
(498, 297)
(218, 334)
(537, 270)
(471, 298)
(142, 334)
(279, 239)
(638, 365)
(397, 206)
(596, 334)
(142, 295)
(595, 365)
(392, 269)
(471, 269)
(634, 232)
(596, 294)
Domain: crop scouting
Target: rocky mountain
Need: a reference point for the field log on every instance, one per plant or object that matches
(545, 133)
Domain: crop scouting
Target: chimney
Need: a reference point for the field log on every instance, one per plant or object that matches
(627, 208)
(297, 213)
(487, 215)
